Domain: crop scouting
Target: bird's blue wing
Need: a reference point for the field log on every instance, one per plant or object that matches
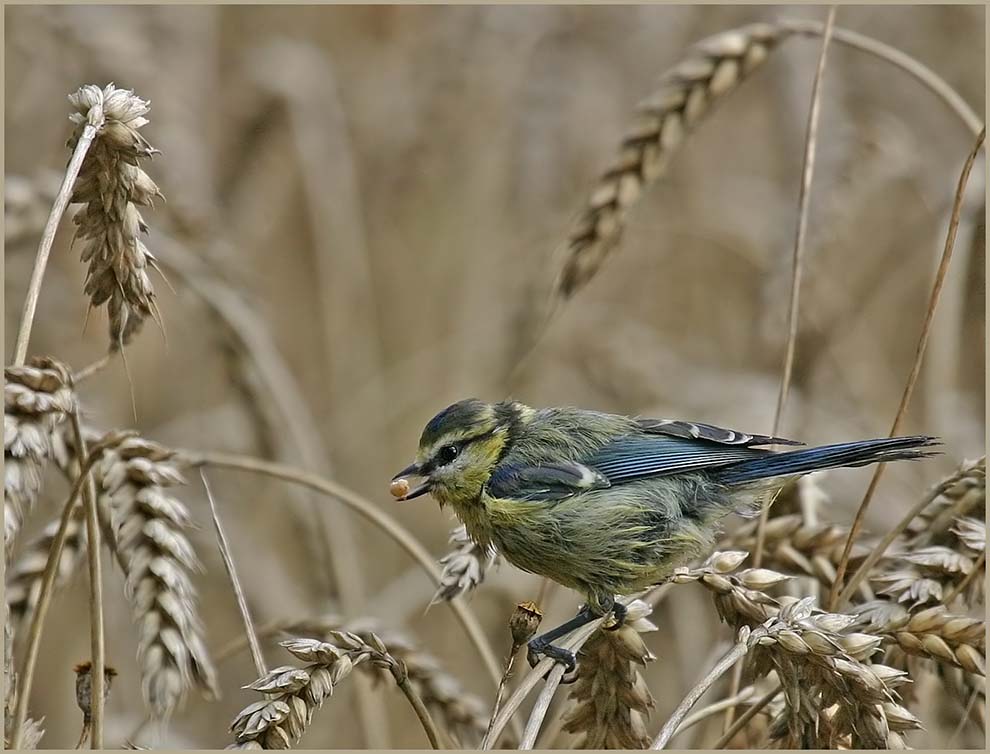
(625, 459)
(639, 456)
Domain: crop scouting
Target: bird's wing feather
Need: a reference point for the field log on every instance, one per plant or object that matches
(639, 456)
(624, 459)
(698, 431)
(544, 482)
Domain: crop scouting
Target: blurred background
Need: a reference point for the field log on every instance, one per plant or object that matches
(373, 196)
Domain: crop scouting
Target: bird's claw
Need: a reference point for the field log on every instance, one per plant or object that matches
(537, 648)
(618, 617)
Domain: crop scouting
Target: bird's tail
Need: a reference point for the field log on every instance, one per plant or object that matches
(796, 462)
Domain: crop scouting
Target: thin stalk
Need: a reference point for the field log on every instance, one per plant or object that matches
(880, 549)
(235, 583)
(367, 511)
(914, 68)
(797, 268)
(45, 594)
(402, 679)
(738, 651)
(96, 636)
(500, 692)
(713, 709)
(541, 707)
(91, 369)
(48, 236)
(573, 643)
(745, 717)
(838, 594)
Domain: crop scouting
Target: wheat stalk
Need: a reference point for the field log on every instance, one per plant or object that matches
(296, 693)
(36, 398)
(112, 187)
(31, 730)
(20, 725)
(610, 698)
(840, 593)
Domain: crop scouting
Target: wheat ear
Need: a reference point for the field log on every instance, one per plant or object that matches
(462, 713)
(709, 70)
(611, 699)
(296, 693)
(112, 187)
(151, 545)
(36, 398)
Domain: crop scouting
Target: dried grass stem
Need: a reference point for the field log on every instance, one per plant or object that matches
(838, 593)
(367, 511)
(45, 597)
(51, 227)
(235, 582)
(938, 86)
(730, 658)
(97, 641)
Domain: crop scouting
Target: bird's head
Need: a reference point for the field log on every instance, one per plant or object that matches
(457, 451)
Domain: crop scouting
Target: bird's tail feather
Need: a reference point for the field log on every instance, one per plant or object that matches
(796, 462)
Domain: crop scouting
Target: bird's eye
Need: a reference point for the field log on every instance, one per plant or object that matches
(447, 454)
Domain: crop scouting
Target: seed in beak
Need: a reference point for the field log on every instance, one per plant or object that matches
(399, 487)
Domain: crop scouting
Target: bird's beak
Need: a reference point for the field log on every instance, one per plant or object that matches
(400, 484)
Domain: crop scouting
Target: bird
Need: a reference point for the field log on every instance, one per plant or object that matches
(602, 503)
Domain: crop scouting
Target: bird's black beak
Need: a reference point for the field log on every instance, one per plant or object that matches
(400, 485)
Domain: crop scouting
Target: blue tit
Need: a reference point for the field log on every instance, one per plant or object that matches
(606, 504)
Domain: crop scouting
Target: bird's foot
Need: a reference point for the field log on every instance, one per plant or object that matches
(538, 647)
(618, 617)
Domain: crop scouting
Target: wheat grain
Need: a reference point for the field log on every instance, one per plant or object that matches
(464, 567)
(112, 187)
(739, 597)
(940, 553)
(36, 398)
(25, 576)
(792, 546)
(962, 494)
(611, 699)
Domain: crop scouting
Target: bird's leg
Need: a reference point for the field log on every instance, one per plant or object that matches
(543, 644)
